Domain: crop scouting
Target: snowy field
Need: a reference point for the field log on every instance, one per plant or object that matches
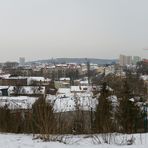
(83, 141)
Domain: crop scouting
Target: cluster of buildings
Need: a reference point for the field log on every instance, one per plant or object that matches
(19, 93)
(128, 60)
(70, 81)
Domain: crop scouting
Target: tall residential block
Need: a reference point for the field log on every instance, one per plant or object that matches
(21, 61)
(136, 59)
(125, 60)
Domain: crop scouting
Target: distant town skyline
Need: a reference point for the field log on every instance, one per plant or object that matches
(42, 29)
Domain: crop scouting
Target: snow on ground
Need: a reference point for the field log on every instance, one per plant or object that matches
(67, 102)
(83, 141)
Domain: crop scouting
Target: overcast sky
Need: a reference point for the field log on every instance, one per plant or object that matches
(41, 29)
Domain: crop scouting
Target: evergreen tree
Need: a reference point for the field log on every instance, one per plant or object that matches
(103, 117)
(127, 113)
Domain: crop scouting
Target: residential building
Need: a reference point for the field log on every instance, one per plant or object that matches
(21, 61)
(125, 60)
(136, 59)
(122, 60)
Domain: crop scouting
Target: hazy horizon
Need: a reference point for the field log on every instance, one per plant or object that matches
(42, 29)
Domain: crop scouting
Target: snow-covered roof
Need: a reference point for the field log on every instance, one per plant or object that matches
(61, 65)
(19, 102)
(4, 76)
(92, 64)
(49, 67)
(29, 79)
(19, 77)
(84, 82)
(80, 88)
(132, 100)
(144, 77)
(74, 89)
(29, 90)
(64, 79)
(83, 64)
(63, 91)
(72, 63)
(4, 87)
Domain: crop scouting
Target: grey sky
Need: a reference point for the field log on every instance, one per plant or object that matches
(40, 29)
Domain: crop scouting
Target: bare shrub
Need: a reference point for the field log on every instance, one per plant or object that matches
(43, 120)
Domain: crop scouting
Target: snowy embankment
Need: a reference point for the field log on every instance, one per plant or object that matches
(83, 141)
